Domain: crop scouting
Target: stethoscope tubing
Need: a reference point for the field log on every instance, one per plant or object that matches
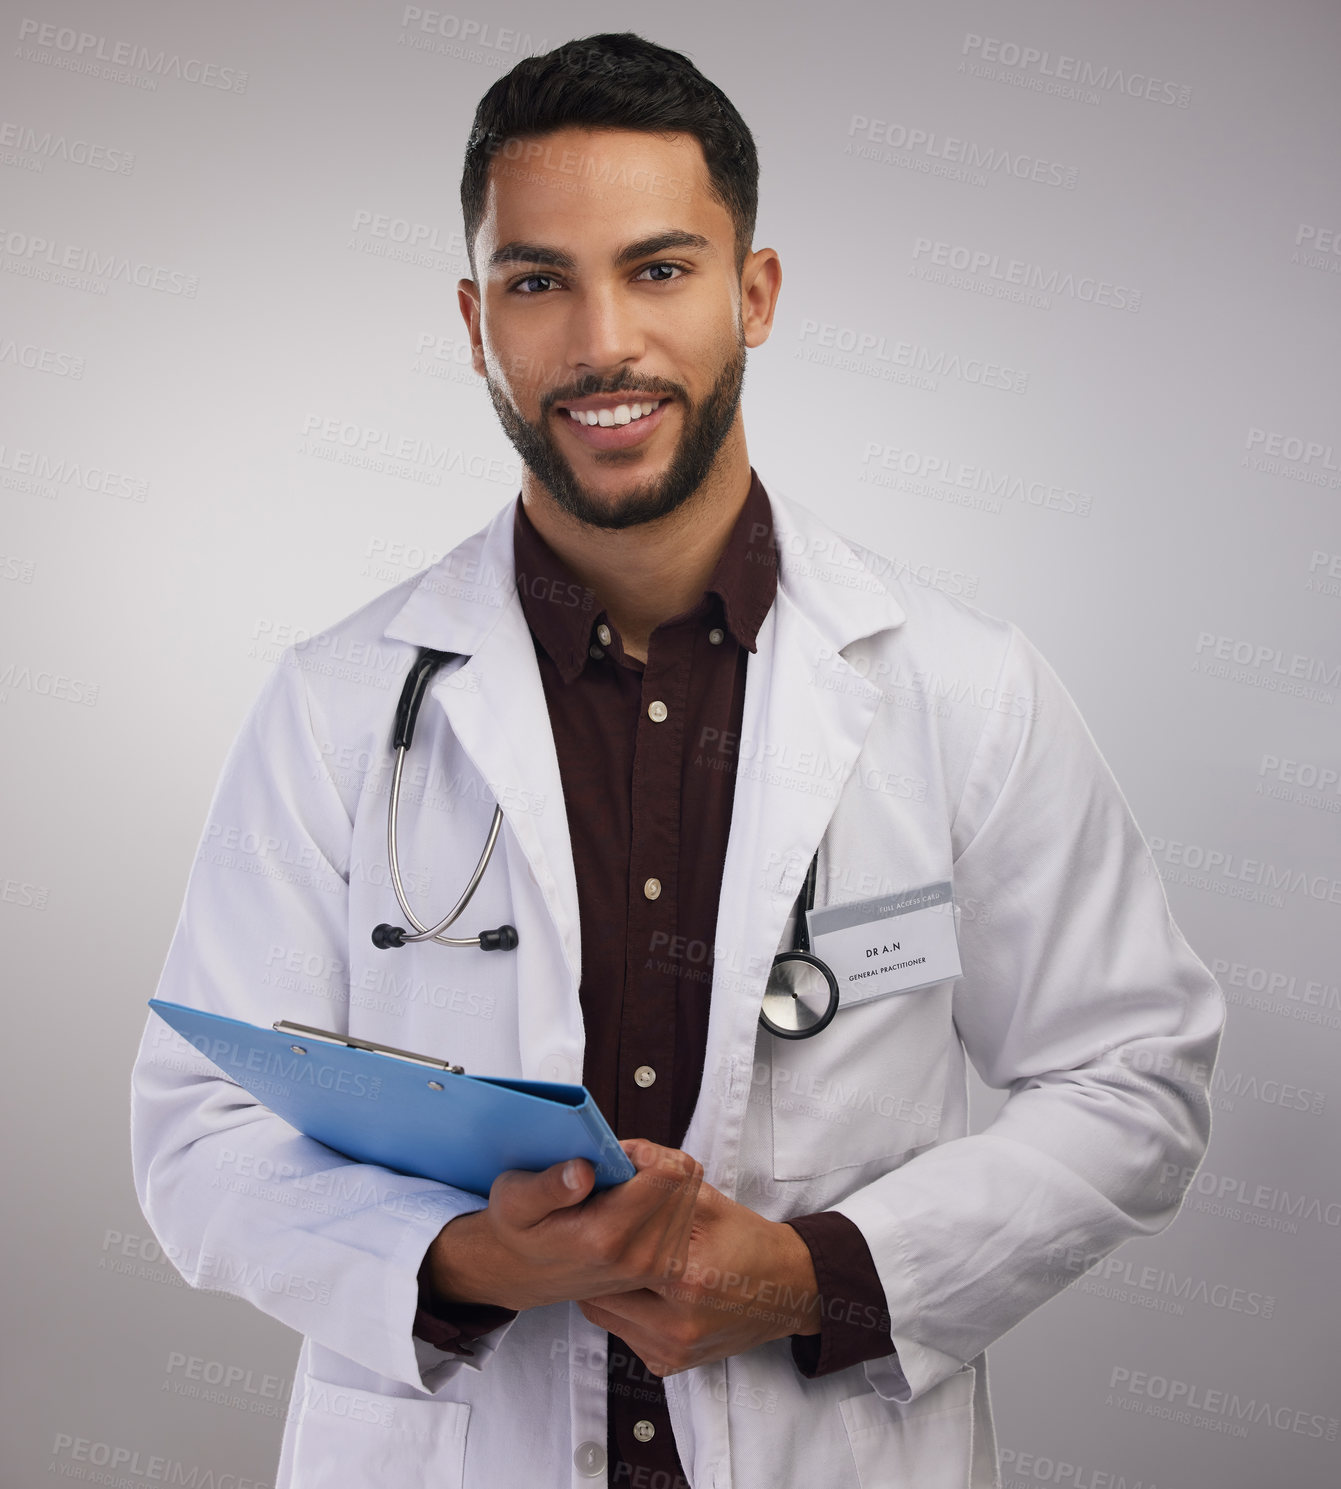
(504, 938)
(424, 932)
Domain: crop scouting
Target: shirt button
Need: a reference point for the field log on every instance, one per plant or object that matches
(589, 1460)
(652, 888)
(657, 711)
(716, 635)
(644, 1431)
(644, 1076)
(603, 631)
(595, 651)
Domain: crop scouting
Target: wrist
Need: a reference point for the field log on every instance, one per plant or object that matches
(449, 1274)
(799, 1286)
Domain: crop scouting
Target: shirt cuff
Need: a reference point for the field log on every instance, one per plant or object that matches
(854, 1318)
(451, 1326)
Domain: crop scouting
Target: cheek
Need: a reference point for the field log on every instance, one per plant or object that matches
(523, 361)
(710, 341)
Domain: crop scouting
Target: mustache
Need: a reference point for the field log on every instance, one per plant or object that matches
(626, 382)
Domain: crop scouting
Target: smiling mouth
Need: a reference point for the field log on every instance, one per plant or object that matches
(620, 413)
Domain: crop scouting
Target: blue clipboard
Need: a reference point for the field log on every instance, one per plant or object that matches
(408, 1112)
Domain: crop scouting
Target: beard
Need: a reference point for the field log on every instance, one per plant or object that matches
(705, 429)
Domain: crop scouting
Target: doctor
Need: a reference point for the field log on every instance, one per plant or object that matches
(680, 689)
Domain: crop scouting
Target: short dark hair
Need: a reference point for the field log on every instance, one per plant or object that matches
(616, 80)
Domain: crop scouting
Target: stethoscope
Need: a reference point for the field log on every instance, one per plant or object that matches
(385, 936)
(802, 993)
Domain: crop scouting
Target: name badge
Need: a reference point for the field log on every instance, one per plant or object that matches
(895, 943)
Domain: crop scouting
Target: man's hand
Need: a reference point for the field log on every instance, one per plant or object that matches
(541, 1239)
(747, 1280)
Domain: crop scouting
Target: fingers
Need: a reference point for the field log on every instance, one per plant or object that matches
(641, 1309)
(665, 1177)
(522, 1200)
(634, 1235)
(651, 1330)
(667, 1183)
(577, 1177)
(642, 1344)
(644, 1154)
(668, 1228)
(639, 1231)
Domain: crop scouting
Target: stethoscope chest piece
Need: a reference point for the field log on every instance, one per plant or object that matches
(801, 997)
(802, 993)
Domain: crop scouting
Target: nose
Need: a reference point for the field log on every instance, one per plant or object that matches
(605, 332)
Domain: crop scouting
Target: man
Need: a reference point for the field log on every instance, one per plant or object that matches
(683, 694)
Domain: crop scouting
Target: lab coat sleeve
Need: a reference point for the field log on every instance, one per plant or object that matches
(1080, 996)
(242, 1202)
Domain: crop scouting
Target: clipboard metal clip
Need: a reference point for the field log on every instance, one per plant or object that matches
(285, 1026)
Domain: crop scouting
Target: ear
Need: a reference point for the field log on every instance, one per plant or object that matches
(760, 285)
(468, 298)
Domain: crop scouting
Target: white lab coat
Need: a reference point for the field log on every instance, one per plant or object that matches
(912, 739)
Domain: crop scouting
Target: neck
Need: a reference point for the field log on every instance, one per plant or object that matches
(643, 575)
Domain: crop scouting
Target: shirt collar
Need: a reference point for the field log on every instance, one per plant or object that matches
(562, 611)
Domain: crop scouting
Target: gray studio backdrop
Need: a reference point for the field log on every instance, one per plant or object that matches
(1058, 334)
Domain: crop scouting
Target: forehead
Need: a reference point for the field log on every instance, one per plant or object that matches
(595, 189)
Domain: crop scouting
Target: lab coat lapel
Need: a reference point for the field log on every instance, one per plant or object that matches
(806, 716)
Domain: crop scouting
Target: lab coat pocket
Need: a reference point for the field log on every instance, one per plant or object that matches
(925, 1444)
(347, 1437)
(868, 1087)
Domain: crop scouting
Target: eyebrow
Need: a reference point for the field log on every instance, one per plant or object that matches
(530, 253)
(556, 258)
(659, 243)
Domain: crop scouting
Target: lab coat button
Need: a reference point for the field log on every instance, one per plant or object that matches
(644, 1075)
(589, 1460)
(644, 1431)
(652, 888)
(554, 1067)
(657, 711)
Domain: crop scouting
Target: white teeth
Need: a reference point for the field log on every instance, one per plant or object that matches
(623, 413)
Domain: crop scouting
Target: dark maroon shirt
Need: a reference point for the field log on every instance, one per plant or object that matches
(646, 758)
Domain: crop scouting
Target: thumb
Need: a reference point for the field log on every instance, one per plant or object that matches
(525, 1199)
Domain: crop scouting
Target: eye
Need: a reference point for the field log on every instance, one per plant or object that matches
(534, 284)
(661, 273)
